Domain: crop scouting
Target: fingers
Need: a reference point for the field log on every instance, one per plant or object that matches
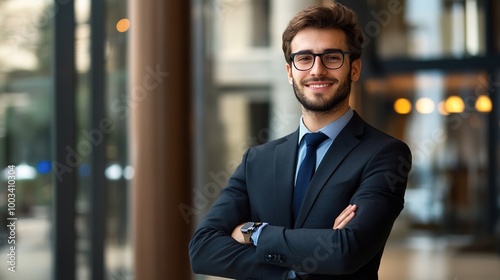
(237, 235)
(345, 217)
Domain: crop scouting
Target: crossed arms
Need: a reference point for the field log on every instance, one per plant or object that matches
(340, 222)
(359, 238)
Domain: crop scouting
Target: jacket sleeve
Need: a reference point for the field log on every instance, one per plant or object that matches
(380, 199)
(213, 251)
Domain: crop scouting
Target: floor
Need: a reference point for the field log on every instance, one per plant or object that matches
(425, 257)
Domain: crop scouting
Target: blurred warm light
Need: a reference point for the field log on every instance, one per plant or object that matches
(123, 25)
(454, 104)
(402, 106)
(483, 104)
(441, 109)
(424, 105)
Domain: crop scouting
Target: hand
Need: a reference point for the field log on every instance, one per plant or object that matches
(237, 235)
(345, 217)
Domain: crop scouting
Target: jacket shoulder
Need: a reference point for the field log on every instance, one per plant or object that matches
(276, 142)
(374, 133)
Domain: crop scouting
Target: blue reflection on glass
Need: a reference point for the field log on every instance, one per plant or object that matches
(43, 166)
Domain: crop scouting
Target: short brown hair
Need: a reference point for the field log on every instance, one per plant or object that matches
(326, 17)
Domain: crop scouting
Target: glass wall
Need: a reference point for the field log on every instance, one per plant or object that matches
(443, 118)
(428, 29)
(117, 242)
(118, 172)
(443, 109)
(83, 100)
(26, 92)
(26, 137)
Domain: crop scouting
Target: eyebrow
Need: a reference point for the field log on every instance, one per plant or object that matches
(325, 50)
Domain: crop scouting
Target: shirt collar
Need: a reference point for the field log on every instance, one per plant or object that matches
(332, 129)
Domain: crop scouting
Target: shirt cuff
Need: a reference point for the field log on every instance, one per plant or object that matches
(255, 235)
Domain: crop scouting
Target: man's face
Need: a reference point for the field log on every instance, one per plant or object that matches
(320, 89)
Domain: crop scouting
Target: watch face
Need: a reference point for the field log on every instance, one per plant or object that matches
(247, 226)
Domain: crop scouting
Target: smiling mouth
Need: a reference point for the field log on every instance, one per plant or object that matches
(319, 85)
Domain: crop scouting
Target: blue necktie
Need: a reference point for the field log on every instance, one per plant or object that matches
(306, 169)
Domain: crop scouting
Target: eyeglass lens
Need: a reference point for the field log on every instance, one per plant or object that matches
(305, 61)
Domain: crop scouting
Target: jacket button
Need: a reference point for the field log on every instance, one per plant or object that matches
(268, 257)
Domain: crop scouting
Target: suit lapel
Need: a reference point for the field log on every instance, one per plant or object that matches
(284, 170)
(340, 148)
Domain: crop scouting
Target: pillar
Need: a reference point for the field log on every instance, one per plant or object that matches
(160, 115)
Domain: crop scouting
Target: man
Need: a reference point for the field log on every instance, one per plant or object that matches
(336, 225)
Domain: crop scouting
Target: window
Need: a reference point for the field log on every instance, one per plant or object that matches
(443, 118)
(26, 93)
(428, 29)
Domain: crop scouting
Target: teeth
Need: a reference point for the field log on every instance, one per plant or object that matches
(319, 86)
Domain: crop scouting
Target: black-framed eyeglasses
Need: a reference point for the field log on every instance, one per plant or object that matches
(304, 60)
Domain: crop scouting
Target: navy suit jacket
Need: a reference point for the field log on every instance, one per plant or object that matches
(363, 166)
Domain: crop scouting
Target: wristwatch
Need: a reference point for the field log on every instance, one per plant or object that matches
(247, 230)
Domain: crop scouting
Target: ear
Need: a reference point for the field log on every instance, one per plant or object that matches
(356, 70)
(289, 73)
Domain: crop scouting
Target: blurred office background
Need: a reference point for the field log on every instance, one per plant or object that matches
(124, 119)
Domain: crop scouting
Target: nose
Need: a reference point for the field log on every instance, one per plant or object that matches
(318, 68)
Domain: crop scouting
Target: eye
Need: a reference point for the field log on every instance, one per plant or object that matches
(303, 58)
(332, 57)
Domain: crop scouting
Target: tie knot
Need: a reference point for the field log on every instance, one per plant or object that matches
(314, 139)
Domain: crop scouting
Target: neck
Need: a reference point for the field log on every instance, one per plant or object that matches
(314, 121)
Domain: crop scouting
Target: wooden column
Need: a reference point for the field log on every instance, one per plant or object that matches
(159, 102)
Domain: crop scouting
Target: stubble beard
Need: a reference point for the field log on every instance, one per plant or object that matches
(329, 105)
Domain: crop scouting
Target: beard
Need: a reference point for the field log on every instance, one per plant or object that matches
(329, 104)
